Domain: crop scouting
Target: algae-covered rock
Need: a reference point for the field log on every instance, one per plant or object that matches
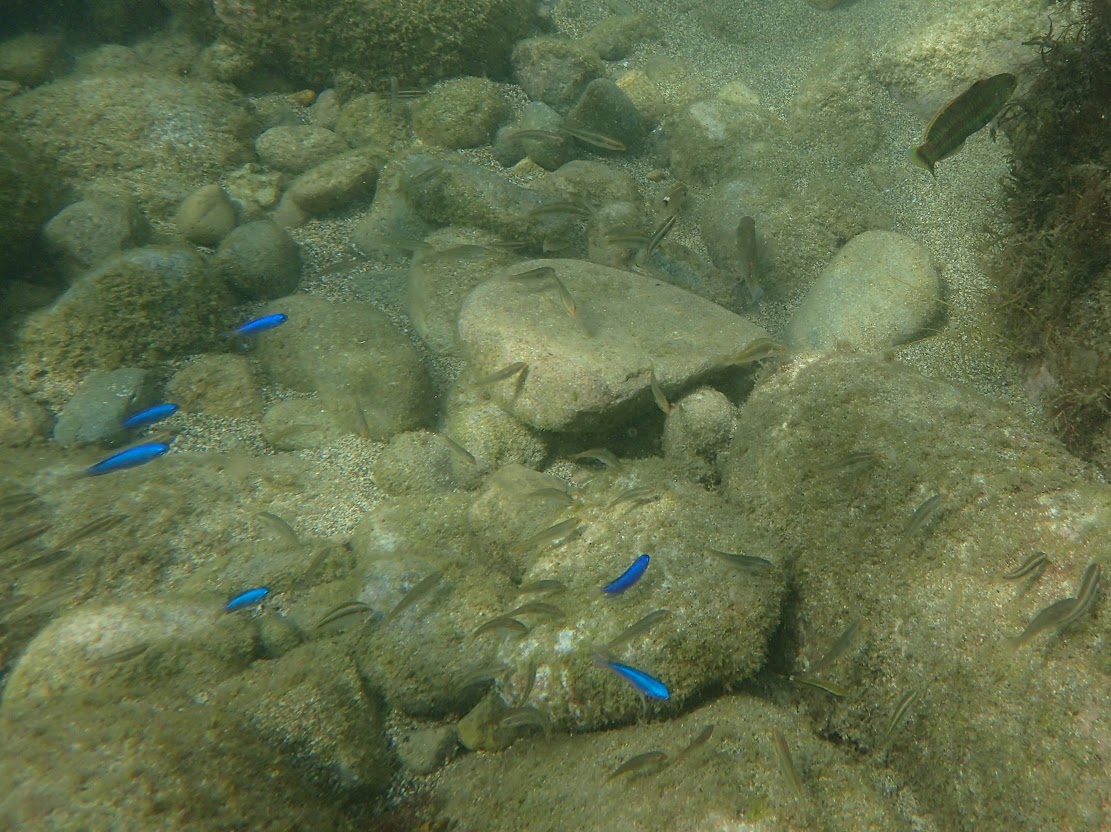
(138, 308)
(594, 369)
(96, 412)
(297, 424)
(719, 622)
(423, 461)
(463, 112)
(219, 385)
(373, 119)
(698, 428)
(491, 435)
(338, 181)
(441, 274)
(418, 41)
(715, 138)
(604, 109)
(29, 58)
(86, 233)
(314, 707)
(549, 149)
(22, 421)
(424, 653)
(259, 261)
(107, 760)
(730, 781)
(555, 70)
(159, 135)
(836, 457)
(348, 353)
(880, 290)
(296, 148)
(27, 189)
(205, 216)
(143, 644)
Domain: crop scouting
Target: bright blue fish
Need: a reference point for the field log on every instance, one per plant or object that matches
(646, 685)
(247, 599)
(150, 415)
(253, 327)
(130, 458)
(629, 577)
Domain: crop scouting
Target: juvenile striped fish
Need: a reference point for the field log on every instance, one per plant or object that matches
(969, 112)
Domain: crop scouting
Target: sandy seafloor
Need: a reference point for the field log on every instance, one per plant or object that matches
(770, 47)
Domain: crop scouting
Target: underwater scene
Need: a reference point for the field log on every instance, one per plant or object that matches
(541, 415)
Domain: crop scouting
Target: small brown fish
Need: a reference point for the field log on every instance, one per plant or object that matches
(607, 458)
(695, 744)
(508, 371)
(502, 623)
(640, 628)
(552, 493)
(966, 114)
(787, 764)
(24, 534)
(643, 494)
(279, 528)
(1052, 616)
(559, 531)
(422, 589)
(752, 564)
(539, 273)
(540, 609)
(924, 514)
(102, 524)
(820, 684)
(538, 136)
(758, 349)
(1033, 565)
(746, 257)
(596, 139)
(343, 612)
(657, 393)
(649, 761)
(905, 703)
(838, 649)
(546, 586)
(1085, 596)
(662, 230)
(458, 449)
(565, 297)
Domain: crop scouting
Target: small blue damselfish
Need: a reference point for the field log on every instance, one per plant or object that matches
(257, 325)
(150, 415)
(646, 685)
(627, 578)
(246, 599)
(139, 455)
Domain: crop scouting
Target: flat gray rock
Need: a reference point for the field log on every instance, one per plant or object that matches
(592, 370)
(878, 291)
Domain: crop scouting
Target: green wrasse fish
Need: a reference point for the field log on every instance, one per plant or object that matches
(970, 111)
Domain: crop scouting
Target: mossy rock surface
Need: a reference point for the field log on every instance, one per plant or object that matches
(138, 309)
(415, 41)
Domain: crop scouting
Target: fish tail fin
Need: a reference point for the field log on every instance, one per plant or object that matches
(918, 156)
